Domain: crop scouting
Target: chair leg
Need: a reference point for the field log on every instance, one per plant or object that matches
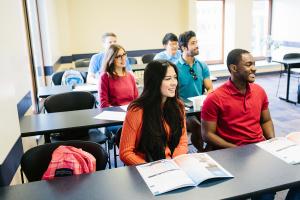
(108, 153)
(47, 138)
(115, 155)
(280, 74)
(22, 176)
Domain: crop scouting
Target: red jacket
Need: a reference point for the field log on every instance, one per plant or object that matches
(74, 159)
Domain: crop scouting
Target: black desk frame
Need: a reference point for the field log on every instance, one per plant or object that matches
(290, 63)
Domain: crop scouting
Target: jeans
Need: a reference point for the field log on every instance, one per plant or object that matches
(110, 132)
(264, 196)
(293, 194)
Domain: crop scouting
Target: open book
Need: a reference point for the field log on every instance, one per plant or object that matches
(286, 148)
(185, 170)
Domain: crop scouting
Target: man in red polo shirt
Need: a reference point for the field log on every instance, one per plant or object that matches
(237, 112)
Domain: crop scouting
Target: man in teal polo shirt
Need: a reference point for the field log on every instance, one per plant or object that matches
(194, 80)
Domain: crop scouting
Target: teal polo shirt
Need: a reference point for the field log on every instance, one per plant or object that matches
(188, 86)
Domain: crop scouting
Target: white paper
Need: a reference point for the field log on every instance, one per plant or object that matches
(197, 102)
(86, 87)
(282, 148)
(111, 115)
(202, 97)
(124, 107)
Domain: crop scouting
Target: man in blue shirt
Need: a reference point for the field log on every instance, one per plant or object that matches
(170, 43)
(97, 59)
(194, 80)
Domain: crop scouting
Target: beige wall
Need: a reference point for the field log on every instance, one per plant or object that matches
(76, 26)
(15, 79)
(139, 24)
(55, 29)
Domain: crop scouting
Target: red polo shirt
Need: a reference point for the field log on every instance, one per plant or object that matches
(237, 115)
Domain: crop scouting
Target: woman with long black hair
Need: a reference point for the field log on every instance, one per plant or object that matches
(154, 127)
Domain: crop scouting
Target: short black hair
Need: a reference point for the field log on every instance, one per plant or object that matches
(184, 38)
(234, 57)
(169, 37)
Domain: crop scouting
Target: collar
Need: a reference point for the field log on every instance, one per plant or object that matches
(182, 61)
(234, 91)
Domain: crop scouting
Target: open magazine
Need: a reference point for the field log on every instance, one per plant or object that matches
(185, 170)
(286, 148)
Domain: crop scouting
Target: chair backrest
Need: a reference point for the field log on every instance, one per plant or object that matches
(35, 161)
(69, 101)
(57, 77)
(82, 62)
(148, 57)
(132, 60)
(291, 55)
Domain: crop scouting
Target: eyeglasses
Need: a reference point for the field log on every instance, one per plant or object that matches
(121, 56)
(193, 73)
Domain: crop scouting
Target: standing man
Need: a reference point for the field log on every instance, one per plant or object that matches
(237, 112)
(97, 59)
(194, 79)
(172, 53)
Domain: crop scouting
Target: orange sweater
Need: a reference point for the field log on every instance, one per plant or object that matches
(131, 134)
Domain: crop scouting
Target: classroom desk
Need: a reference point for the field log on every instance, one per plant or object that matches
(290, 63)
(44, 92)
(254, 171)
(42, 124)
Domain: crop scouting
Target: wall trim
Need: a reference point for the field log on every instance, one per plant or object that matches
(69, 59)
(24, 105)
(11, 163)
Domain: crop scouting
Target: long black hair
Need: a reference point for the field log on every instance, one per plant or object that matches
(153, 140)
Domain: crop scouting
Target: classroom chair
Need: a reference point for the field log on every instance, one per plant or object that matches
(148, 57)
(35, 161)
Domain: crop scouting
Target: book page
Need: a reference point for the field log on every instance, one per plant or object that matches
(282, 148)
(111, 115)
(200, 167)
(163, 176)
(294, 136)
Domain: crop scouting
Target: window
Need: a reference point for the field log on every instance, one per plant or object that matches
(210, 17)
(261, 26)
